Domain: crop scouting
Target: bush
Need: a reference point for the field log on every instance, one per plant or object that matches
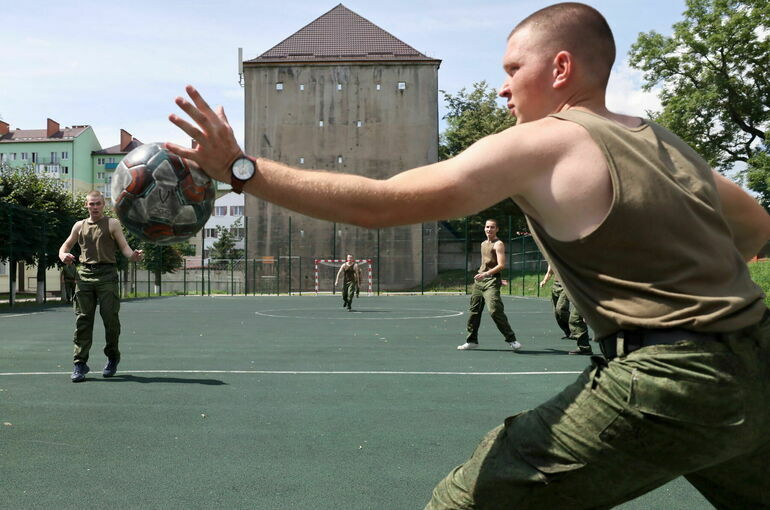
(760, 273)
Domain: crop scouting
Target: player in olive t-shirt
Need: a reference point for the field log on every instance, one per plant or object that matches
(98, 237)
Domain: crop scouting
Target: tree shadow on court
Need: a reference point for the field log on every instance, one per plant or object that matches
(156, 379)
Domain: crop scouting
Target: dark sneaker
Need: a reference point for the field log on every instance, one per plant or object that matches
(79, 372)
(583, 352)
(110, 368)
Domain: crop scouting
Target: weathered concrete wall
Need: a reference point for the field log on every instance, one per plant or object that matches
(353, 118)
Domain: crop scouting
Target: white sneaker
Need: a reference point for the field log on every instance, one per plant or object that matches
(514, 345)
(467, 346)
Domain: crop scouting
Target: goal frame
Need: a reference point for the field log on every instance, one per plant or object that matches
(316, 270)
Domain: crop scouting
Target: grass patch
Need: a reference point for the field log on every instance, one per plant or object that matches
(760, 273)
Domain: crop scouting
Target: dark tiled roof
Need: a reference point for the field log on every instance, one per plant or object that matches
(39, 135)
(340, 35)
(115, 149)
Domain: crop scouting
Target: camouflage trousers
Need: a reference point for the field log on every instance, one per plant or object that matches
(697, 409)
(349, 290)
(568, 318)
(98, 286)
(488, 291)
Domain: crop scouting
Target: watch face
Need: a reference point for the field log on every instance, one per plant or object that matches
(243, 168)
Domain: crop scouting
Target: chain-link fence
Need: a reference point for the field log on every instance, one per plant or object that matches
(280, 256)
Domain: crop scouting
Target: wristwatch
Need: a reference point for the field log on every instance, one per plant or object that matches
(241, 170)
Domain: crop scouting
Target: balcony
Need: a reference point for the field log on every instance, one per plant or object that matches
(110, 166)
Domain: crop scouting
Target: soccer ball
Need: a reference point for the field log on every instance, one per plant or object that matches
(158, 197)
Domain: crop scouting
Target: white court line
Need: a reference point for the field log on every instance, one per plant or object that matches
(358, 316)
(3, 316)
(301, 372)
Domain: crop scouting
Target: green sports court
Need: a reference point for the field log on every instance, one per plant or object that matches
(280, 402)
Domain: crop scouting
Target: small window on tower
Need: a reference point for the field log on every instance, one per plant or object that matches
(302, 86)
(320, 123)
(339, 86)
(379, 86)
(359, 123)
(339, 159)
(279, 85)
(402, 85)
(301, 161)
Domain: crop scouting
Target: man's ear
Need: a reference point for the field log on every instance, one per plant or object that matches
(563, 67)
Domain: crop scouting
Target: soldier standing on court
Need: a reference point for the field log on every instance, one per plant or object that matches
(567, 316)
(98, 237)
(350, 282)
(486, 288)
(682, 390)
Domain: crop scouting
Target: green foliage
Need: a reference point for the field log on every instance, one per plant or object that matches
(715, 89)
(472, 116)
(224, 247)
(36, 215)
(158, 259)
(760, 273)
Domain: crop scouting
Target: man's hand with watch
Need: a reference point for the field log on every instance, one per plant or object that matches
(216, 150)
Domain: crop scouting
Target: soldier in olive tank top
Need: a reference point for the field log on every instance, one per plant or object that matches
(98, 237)
(486, 290)
(651, 245)
(351, 281)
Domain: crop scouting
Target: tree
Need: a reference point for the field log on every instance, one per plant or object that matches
(472, 116)
(224, 247)
(715, 89)
(158, 259)
(37, 216)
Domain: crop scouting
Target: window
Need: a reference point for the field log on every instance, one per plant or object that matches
(54, 157)
(24, 156)
(320, 123)
(402, 85)
(65, 170)
(359, 123)
(279, 85)
(34, 157)
(110, 160)
(379, 86)
(220, 210)
(99, 161)
(100, 175)
(339, 159)
(210, 232)
(236, 210)
(339, 86)
(302, 86)
(238, 233)
(65, 155)
(301, 161)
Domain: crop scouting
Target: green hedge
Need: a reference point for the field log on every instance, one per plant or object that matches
(760, 272)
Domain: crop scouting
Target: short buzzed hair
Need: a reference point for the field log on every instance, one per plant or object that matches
(95, 193)
(579, 29)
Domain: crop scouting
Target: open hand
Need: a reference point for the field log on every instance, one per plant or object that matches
(216, 145)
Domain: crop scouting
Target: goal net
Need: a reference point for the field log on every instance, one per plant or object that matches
(325, 271)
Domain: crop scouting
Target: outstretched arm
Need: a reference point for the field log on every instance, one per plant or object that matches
(64, 252)
(748, 220)
(547, 276)
(494, 168)
(125, 249)
(337, 279)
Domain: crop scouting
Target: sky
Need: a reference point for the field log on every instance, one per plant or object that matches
(119, 65)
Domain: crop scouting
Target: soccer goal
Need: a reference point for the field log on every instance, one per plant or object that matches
(325, 271)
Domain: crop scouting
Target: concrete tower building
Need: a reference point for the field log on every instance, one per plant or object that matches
(342, 94)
